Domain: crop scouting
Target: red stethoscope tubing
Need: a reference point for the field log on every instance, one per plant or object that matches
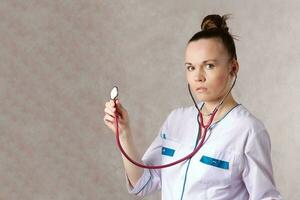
(190, 155)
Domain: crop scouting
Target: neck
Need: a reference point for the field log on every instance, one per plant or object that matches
(228, 103)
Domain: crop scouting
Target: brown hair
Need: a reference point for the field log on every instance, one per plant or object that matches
(215, 26)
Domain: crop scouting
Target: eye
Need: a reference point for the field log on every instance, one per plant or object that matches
(190, 68)
(209, 66)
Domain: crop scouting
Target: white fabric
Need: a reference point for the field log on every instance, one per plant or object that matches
(238, 139)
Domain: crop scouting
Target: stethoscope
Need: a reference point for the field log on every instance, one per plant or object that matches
(114, 94)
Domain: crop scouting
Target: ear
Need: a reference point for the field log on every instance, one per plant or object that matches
(234, 67)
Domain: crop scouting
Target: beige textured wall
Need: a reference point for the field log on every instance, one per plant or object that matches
(60, 58)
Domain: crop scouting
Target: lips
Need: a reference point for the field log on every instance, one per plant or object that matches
(201, 89)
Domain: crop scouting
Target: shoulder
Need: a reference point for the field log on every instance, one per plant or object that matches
(181, 116)
(179, 120)
(243, 118)
(243, 130)
(253, 129)
(182, 113)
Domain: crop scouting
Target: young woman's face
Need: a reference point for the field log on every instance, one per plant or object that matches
(208, 66)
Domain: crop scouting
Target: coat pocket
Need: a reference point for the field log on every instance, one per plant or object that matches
(215, 162)
(169, 151)
(215, 167)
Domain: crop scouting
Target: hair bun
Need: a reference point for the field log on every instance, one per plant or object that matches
(215, 21)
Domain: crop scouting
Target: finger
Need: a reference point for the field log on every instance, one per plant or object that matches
(109, 118)
(112, 103)
(120, 109)
(109, 125)
(106, 121)
(108, 104)
(110, 111)
(119, 104)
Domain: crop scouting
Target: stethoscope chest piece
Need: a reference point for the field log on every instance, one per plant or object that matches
(114, 93)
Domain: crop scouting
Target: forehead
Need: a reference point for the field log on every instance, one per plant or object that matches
(205, 49)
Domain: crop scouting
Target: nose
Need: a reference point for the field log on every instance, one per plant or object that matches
(199, 75)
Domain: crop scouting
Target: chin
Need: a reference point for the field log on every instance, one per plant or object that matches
(205, 98)
(202, 98)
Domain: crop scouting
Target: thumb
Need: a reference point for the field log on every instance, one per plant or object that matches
(118, 102)
(119, 105)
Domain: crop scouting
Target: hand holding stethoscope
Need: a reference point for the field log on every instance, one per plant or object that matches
(111, 108)
(120, 116)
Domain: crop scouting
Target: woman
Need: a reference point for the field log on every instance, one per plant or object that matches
(234, 162)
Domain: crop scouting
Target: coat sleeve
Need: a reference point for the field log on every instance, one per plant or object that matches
(258, 171)
(150, 181)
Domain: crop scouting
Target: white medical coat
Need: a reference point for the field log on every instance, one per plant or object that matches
(233, 164)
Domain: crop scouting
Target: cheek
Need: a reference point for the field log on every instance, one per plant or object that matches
(220, 81)
(189, 78)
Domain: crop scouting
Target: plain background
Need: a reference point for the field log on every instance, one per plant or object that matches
(60, 59)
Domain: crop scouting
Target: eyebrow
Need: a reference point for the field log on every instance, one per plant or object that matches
(205, 61)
